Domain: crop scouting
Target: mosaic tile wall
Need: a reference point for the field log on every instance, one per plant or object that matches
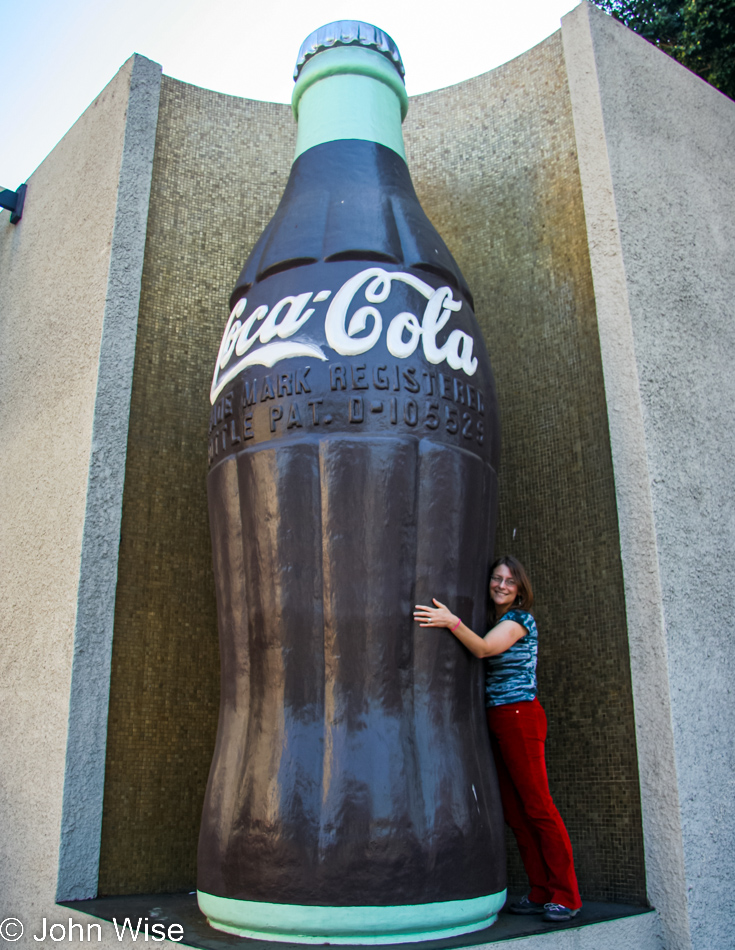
(494, 162)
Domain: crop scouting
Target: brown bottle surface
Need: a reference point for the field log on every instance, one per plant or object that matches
(353, 449)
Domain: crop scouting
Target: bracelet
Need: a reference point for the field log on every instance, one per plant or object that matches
(456, 626)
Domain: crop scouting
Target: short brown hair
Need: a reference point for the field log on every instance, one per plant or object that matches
(524, 597)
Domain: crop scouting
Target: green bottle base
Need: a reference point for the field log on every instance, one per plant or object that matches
(299, 923)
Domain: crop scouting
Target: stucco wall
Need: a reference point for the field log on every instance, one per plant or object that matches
(60, 292)
(668, 346)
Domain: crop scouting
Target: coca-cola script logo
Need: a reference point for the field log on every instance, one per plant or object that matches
(261, 338)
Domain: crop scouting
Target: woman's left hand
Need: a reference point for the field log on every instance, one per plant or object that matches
(438, 616)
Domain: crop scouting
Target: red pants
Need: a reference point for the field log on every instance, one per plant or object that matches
(517, 735)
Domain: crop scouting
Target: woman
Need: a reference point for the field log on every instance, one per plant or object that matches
(517, 724)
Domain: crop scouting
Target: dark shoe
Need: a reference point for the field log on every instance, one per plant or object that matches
(526, 906)
(556, 913)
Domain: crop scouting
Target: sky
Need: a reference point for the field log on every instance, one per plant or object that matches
(58, 56)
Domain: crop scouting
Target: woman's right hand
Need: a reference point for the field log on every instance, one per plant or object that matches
(501, 638)
(437, 616)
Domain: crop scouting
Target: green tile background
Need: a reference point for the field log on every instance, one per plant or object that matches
(494, 162)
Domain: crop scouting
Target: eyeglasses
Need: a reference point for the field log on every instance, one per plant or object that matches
(503, 581)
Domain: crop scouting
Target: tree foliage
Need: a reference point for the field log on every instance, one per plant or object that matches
(699, 33)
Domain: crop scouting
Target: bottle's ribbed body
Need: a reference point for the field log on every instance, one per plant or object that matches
(353, 450)
(352, 764)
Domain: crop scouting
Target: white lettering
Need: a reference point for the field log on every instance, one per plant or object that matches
(460, 359)
(244, 340)
(341, 339)
(120, 931)
(267, 355)
(399, 347)
(348, 338)
(228, 340)
(290, 323)
(436, 315)
(438, 311)
(238, 336)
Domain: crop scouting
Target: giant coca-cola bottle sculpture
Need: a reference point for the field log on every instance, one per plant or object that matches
(353, 449)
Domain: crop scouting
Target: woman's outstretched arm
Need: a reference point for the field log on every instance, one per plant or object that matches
(501, 638)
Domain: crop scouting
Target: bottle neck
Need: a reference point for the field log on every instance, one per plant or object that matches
(349, 93)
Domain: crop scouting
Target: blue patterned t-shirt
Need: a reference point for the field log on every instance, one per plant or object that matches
(510, 677)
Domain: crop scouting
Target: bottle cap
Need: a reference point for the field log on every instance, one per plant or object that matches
(349, 33)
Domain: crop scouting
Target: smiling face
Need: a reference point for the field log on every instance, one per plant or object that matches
(503, 589)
